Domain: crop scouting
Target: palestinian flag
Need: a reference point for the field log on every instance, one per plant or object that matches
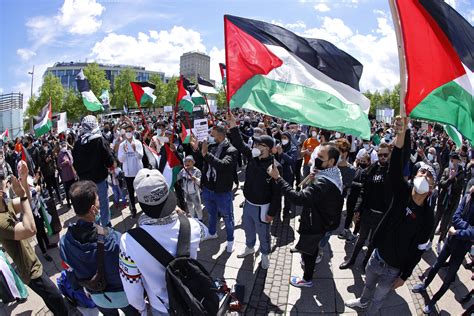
(172, 166)
(197, 98)
(88, 97)
(44, 121)
(183, 98)
(185, 134)
(4, 135)
(454, 135)
(205, 86)
(223, 74)
(143, 92)
(309, 81)
(437, 55)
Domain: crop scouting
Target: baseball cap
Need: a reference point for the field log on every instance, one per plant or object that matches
(428, 168)
(153, 193)
(189, 157)
(454, 155)
(264, 139)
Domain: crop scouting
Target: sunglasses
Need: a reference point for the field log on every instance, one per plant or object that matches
(383, 155)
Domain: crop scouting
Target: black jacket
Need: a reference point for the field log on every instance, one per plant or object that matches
(368, 183)
(259, 187)
(398, 221)
(322, 205)
(92, 160)
(224, 165)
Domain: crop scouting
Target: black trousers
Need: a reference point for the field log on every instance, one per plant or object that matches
(298, 165)
(309, 264)
(129, 310)
(368, 224)
(41, 236)
(67, 186)
(52, 185)
(456, 250)
(131, 191)
(50, 294)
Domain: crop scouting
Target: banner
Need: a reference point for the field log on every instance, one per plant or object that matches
(201, 129)
(62, 122)
(168, 108)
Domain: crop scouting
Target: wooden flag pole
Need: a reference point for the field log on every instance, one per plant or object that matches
(209, 109)
(401, 55)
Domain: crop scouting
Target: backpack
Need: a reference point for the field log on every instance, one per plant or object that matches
(76, 296)
(191, 290)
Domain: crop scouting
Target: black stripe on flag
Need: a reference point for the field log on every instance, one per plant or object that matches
(459, 31)
(204, 82)
(41, 115)
(318, 53)
(144, 84)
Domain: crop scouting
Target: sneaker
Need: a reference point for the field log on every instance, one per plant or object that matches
(346, 264)
(320, 256)
(418, 288)
(300, 282)
(344, 234)
(215, 236)
(247, 251)
(265, 262)
(427, 309)
(351, 237)
(356, 303)
(230, 246)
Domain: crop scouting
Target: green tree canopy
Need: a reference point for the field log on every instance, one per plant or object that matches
(97, 79)
(73, 105)
(160, 91)
(122, 90)
(51, 88)
(171, 91)
(221, 99)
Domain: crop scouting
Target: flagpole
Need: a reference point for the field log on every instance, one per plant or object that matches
(226, 64)
(401, 55)
(175, 109)
(209, 109)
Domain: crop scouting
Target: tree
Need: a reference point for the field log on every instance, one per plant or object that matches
(395, 99)
(122, 90)
(221, 99)
(73, 105)
(171, 91)
(160, 90)
(50, 89)
(97, 79)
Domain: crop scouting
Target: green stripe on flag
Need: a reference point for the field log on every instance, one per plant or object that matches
(43, 129)
(186, 105)
(449, 104)
(454, 135)
(91, 102)
(301, 104)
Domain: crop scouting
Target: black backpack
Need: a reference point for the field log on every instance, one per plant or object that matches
(191, 290)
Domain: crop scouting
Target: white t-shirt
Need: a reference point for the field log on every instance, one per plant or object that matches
(373, 155)
(131, 159)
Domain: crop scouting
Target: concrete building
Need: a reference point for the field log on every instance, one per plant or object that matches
(67, 72)
(11, 114)
(193, 63)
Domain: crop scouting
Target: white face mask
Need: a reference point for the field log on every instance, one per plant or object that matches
(421, 185)
(211, 140)
(128, 134)
(158, 132)
(366, 146)
(164, 139)
(285, 141)
(256, 152)
(314, 134)
(430, 157)
(337, 135)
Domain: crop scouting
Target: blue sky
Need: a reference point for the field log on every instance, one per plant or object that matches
(154, 33)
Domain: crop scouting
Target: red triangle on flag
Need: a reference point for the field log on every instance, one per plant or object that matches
(173, 161)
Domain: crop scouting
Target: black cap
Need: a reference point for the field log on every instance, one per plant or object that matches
(454, 155)
(266, 140)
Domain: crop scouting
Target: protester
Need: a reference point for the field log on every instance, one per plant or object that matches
(114, 179)
(403, 233)
(130, 154)
(219, 164)
(459, 243)
(92, 158)
(307, 149)
(322, 204)
(139, 270)
(287, 155)
(48, 170)
(14, 235)
(79, 250)
(66, 170)
(262, 195)
(190, 178)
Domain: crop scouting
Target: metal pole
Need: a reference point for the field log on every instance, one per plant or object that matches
(32, 73)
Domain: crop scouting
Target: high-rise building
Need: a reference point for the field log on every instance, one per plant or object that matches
(11, 114)
(193, 63)
(67, 72)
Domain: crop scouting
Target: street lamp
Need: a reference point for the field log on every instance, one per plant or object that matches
(32, 73)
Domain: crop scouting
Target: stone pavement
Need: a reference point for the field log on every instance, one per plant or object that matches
(268, 292)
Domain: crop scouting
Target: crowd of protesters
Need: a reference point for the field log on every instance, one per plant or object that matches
(393, 193)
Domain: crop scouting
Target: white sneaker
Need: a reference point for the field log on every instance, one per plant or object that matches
(212, 237)
(355, 302)
(265, 262)
(320, 256)
(418, 288)
(439, 247)
(230, 246)
(247, 251)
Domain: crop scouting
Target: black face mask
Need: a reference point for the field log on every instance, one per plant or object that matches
(363, 165)
(318, 163)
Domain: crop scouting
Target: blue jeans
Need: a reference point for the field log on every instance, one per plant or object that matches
(102, 192)
(118, 194)
(219, 203)
(253, 226)
(379, 278)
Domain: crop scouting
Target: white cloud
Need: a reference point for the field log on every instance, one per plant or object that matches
(25, 53)
(80, 16)
(157, 50)
(470, 16)
(322, 7)
(292, 26)
(217, 56)
(332, 29)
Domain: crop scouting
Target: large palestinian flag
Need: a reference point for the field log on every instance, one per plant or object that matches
(88, 97)
(310, 81)
(44, 121)
(143, 92)
(438, 57)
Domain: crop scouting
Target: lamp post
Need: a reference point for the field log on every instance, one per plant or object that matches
(32, 73)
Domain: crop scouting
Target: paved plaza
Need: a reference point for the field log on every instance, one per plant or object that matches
(269, 292)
